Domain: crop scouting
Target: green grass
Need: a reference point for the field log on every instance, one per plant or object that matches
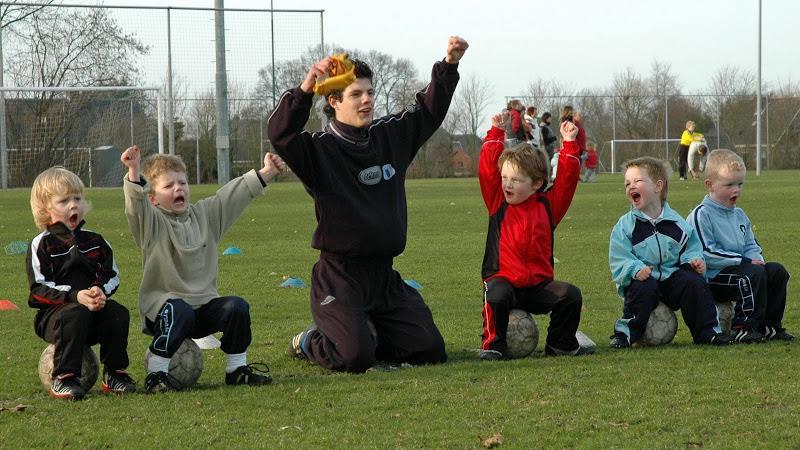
(680, 395)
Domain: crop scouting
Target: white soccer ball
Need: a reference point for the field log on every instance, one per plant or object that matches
(186, 364)
(725, 314)
(661, 327)
(90, 368)
(522, 335)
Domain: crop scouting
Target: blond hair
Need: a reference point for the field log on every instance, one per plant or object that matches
(656, 169)
(54, 181)
(689, 123)
(156, 165)
(723, 159)
(528, 160)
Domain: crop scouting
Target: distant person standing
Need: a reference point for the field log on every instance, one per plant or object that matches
(548, 137)
(534, 137)
(517, 127)
(688, 136)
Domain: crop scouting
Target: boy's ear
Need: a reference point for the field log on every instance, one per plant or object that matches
(659, 185)
(152, 199)
(537, 185)
(332, 101)
(707, 183)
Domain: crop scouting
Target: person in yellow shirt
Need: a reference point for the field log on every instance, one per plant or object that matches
(688, 136)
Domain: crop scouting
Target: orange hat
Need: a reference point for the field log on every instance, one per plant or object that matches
(342, 73)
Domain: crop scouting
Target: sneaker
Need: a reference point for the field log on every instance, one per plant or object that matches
(719, 339)
(247, 375)
(683, 178)
(299, 343)
(118, 382)
(777, 334)
(619, 341)
(549, 350)
(158, 382)
(67, 387)
(747, 336)
(490, 355)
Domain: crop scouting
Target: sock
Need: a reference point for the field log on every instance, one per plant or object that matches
(158, 364)
(235, 360)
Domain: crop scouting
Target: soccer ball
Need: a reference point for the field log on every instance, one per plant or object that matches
(522, 335)
(661, 327)
(725, 314)
(89, 368)
(186, 364)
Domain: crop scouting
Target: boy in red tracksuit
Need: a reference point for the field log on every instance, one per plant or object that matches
(591, 163)
(518, 260)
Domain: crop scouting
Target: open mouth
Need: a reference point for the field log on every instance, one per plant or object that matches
(733, 199)
(365, 111)
(635, 197)
(73, 221)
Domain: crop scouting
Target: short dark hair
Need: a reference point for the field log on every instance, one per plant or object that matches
(546, 116)
(362, 71)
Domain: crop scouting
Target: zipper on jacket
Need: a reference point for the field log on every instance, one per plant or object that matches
(658, 243)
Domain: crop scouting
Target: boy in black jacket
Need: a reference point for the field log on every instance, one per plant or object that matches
(355, 172)
(72, 275)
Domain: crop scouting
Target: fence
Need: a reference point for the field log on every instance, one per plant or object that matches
(628, 126)
(170, 47)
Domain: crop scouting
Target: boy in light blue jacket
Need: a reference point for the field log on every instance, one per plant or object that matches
(736, 268)
(655, 256)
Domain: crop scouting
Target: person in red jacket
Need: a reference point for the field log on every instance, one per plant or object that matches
(590, 165)
(518, 260)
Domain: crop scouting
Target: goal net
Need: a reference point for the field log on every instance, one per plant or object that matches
(615, 152)
(83, 129)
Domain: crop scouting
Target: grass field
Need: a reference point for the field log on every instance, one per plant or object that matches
(680, 395)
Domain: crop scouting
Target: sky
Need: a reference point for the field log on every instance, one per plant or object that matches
(579, 44)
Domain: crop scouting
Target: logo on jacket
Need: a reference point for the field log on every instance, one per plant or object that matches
(329, 299)
(388, 171)
(370, 176)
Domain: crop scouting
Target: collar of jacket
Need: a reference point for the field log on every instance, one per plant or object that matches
(356, 136)
(59, 229)
(667, 213)
(708, 201)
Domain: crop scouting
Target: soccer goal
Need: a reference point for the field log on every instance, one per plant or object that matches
(84, 129)
(617, 151)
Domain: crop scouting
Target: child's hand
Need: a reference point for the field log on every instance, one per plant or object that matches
(500, 120)
(568, 131)
(455, 49)
(760, 262)
(644, 273)
(698, 265)
(90, 301)
(319, 69)
(273, 165)
(131, 156)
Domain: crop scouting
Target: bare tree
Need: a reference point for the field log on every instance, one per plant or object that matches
(63, 47)
(12, 11)
(633, 103)
(472, 98)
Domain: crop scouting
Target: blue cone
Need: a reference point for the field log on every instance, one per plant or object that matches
(16, 248)
(414, 284)
(232, 251)
(293, 283)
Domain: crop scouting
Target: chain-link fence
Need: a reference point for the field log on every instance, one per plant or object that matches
(168, 47)
(624, 127)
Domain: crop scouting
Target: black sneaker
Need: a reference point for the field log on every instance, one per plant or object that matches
(747, 336)
(299, 343)
(719, 339)
(247, 375)
(490, 355)
(118, 382)
(67, 387)
(158, 382)
(777, 334)
(619, 341)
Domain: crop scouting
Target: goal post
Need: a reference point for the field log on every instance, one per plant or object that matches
(624, 149)
(84, 129)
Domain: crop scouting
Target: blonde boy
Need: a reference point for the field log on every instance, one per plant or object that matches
(72, 275)
(655, 256)
(178, 297)
(736, 267)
